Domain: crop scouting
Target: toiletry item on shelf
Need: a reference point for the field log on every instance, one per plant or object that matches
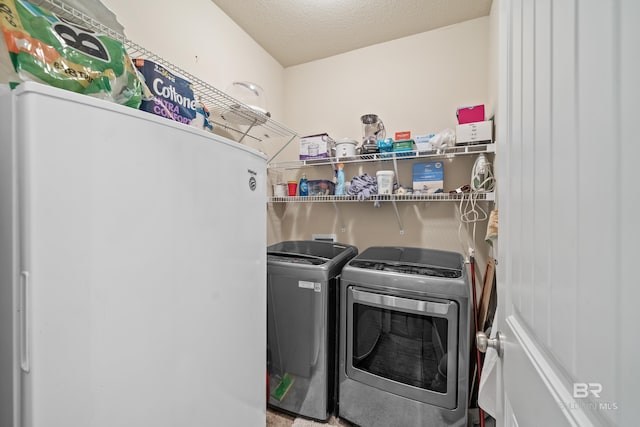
(340, 185)
(303, 189)
(201, 120)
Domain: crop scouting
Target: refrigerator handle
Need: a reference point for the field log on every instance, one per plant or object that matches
(25, 349)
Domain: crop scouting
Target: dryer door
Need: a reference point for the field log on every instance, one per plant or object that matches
(405, 345)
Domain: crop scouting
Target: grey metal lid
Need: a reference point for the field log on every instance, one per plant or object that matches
(310, 252)
(415, 261)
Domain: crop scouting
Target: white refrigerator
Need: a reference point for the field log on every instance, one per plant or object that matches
(132, 268)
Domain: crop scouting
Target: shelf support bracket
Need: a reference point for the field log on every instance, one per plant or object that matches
(248, 129)
(395, 169)
(343, 228)
(395, 208)
(281, 148)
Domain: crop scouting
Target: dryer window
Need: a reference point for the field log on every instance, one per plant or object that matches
(403, 345)
(408, 348)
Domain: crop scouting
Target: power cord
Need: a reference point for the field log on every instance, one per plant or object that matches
(482, 181)
(470, 212)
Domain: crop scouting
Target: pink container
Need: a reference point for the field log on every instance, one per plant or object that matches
(470, 114)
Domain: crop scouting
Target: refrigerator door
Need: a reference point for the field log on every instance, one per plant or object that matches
(143, 264)
(9, 375)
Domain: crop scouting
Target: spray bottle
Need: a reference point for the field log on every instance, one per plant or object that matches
(340, 183)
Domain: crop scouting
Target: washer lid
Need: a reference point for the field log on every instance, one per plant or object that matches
(396, 267)
(313, 248)
(295, 258)
(426, 262)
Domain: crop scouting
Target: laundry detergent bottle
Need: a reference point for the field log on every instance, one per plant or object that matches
(303, 188)
(340, 179)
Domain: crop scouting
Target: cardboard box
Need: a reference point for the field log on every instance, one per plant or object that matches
(403, 148)
(423, 142)
(314, 146)
(474, 133)
(428, 178)
(399, 136)
(470, 114)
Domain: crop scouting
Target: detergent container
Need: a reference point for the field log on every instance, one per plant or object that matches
(385, 182)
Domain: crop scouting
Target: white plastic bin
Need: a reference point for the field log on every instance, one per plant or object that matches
(385, 182)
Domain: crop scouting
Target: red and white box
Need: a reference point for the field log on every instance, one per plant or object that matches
(402, 136)
(470, 114)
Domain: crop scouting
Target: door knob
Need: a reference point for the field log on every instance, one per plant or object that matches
(483, 342)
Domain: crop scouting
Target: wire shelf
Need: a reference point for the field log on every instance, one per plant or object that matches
(460, 150)
(438, 197)
(216, 100)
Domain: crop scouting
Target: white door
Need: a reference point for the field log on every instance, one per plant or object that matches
(568, 158)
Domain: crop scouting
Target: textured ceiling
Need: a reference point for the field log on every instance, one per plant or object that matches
(299, 31)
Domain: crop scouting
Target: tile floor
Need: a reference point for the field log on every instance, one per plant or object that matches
(278, 419)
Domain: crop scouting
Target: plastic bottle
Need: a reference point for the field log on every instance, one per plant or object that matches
(303, 189)
(340, 185)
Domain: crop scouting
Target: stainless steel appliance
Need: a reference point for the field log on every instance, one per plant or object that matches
(372, 130)
(404, 338)
(302, 289)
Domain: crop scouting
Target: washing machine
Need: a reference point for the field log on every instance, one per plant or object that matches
(302, 327)
(405, 338)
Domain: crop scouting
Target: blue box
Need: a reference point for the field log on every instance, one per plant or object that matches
(428, 178)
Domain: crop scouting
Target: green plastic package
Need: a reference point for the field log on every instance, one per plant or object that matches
(45, 48)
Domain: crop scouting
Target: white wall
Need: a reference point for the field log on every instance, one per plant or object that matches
(197, 36)
(493, 81)
(414, 83)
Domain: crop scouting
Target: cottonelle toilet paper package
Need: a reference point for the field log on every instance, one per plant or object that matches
(173, 96)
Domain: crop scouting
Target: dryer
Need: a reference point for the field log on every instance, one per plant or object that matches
(405, 338)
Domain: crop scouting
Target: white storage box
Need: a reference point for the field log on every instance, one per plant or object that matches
(423, 142)
(314, 147)
(385, 182)
(475, 133)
